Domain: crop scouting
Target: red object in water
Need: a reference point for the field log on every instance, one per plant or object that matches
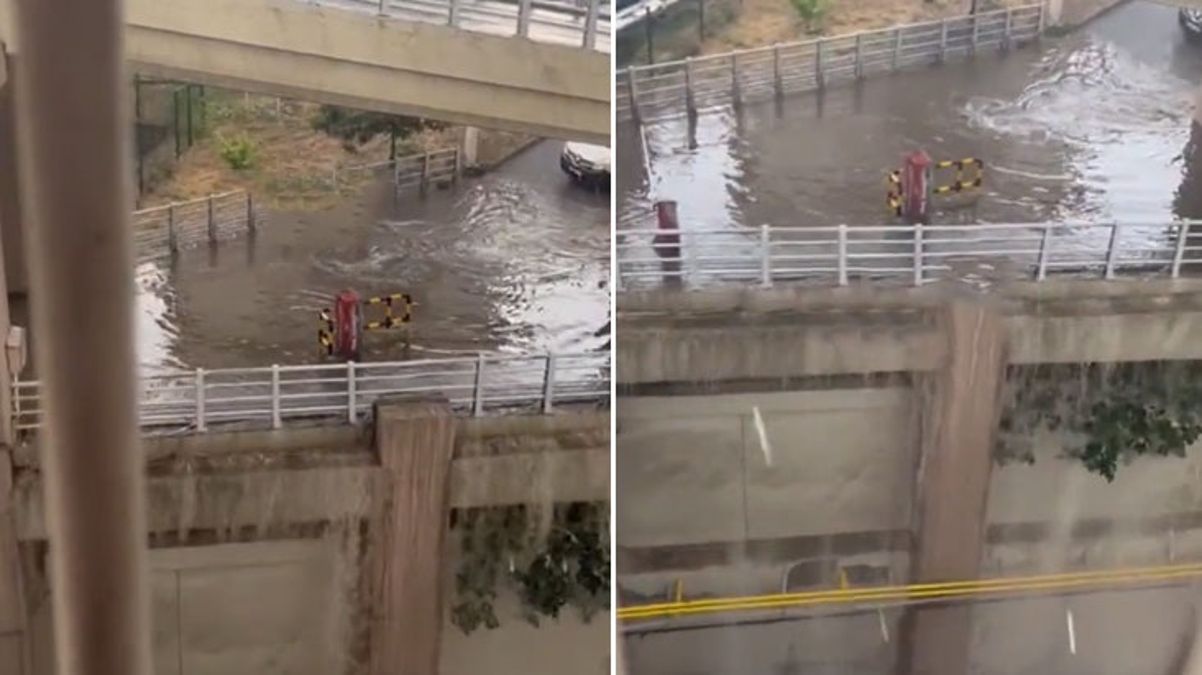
(916, 186)
(348, 325)
(667, 242)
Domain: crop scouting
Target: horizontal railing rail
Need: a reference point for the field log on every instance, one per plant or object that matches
(586, 24)
(417, 171)
(910, 254)
(162, 230)
(200, 399)
(645, 93)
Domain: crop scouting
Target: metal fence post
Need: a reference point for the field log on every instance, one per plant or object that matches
(200, 399)
(818, 63)
(212, 222)
(765, 256)
(250, 213)
(458, 166)
(975, 34)
(1112, 250)
(1008, 30)
(524, 18)
(1179, 249)
(396, 175)
(425, 172)
(897, 45)
(859, 66)
(841, 252)
(478, 387)
(648, 29)
(942, 40)
(350, 392)
(276, 423)
(1045, 250)
(777, 83)
(172, 236)
(735, 94)
(453, 14)
(590, 24)
(1042, 19)
(701, 19)
(690, 105)
(632, 92)
(918, 252)
(549, 383)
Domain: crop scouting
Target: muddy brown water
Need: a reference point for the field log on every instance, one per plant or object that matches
(514, 261)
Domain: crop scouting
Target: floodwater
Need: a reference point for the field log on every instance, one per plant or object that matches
(514, 261)
(1087, 127)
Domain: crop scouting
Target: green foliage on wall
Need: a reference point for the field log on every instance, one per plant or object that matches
(1109, 414)
(550, 558)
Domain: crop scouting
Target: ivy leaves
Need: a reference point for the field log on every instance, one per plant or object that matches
(569, 565)
(1108, 413)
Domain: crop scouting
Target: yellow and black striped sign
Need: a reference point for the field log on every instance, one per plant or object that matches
(962, 184)
(403, 305)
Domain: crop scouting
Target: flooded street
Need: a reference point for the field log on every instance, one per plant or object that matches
(1088, 127)
(514, 261)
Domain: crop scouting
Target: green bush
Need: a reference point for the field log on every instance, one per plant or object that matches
(810, 11)
(238, 152)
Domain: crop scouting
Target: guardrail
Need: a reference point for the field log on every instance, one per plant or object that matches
(411, 172)
(199, 399)
(164, 230)
(585, 25)
(911, 254)
(662, 90)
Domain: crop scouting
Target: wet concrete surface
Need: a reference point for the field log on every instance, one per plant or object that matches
(1092, 126)
(514, 261)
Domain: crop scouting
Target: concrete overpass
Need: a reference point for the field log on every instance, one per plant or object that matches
(329, 54)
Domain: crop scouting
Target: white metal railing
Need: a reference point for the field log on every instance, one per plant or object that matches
(410, 172)
(200, 399)
(911, 254)
(163, 230)
(584, 24)
(667, 89)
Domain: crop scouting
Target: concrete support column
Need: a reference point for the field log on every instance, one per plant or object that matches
(471, 146)
(958, 435)
(12, 240)
(14, 636)
(415, 440)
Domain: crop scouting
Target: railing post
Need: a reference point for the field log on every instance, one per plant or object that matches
(975, 34)
(918, 255)
(549, 384)
(590, 24)
(648, 30)
(897, 45)
(250, 213)
(777, 83)
(841, 252)
(425, 172)
(478, 387)
(765, 256)
(1042, 18)
(200, 399)
(276, 422)
(1112, 250)
(350, 392)
(1008, 30)
(735, 94)
(632, 92)
(1179, 249)
(212, 222)
(1045, 251)
(690, 105)
(396, 175)
(524, 18)
(942, 40)
(458, 166)
(453, 14)
(859, 65)
(172, 236)
(818, 79)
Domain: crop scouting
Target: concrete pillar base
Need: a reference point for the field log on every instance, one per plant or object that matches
(471, 146)
(953, 485)
(416, 440)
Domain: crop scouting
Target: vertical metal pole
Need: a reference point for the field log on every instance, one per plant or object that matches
(841, 253)
(188, 108)
(1008, 30)
(175, 122)
(918, 255)
(350, 392)
(1042, 18)
(478, 387)
(976, 34)
(276, 422)
(648, 17)
(897, 45)
(1179, 249)
(701, 19)
(777, 83)
(172, 236)
(74, 176)
(453, 14)
(396, 175)
(942, 40)
(425, 172)
(524, 7)
(859, 67)
(590, 24)
(736, 95)
(549, 384)
(632, 92)
(1045, 250)
(765, 256)
(458, 166)
(250, 212)
(212, 221)
(381, 8)
(689, 104)
(199, 392)
(1112, 251)
(818, 63)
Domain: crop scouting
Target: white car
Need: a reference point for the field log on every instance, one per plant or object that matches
(588, 165)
